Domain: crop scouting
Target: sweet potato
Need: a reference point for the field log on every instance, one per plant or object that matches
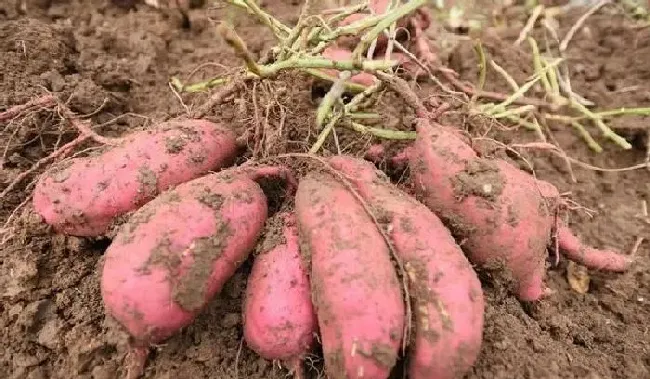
(501, 214)
(279, 318)
(85, 195)
(447, 296)
(178, 250)
(355, 289)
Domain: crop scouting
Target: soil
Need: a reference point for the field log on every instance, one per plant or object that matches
(113, 64)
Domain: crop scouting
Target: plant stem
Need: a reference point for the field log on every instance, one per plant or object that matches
(382, 133)
(593, 145)
(384, 23)
(234, 41)
(325, 133)
(332, 96)
(607, 132)
(350, 86)
(317, 62)
(279, 29)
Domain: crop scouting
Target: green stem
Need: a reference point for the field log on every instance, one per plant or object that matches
(482, 66)
(523, 89)
(279, 29)
(511, 81)
(382, 133)
(643, 111)
(342, 13)
(539, 68)
(233, 40)
(325, 133)
(331, 97)
(593, 145)
(350, 86)
(515, 111)
(607, 132)
(314, 62)
(384, 23)
(364, 116)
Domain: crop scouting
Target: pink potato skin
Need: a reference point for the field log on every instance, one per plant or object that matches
(512, 228)
(86, 195)
(279, 318)
(448, 299)
(178, 250)
(355, 289)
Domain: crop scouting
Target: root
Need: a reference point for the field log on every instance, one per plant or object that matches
(46, 101)
(220, 97)
(85, 134)
(136, 360)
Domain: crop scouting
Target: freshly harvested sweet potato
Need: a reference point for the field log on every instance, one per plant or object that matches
(447, 297)
(279, 318)
(85, 195)
(178, 250)
(355, 289)
(501, 214)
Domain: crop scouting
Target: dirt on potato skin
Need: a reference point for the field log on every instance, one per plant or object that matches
(119, 61)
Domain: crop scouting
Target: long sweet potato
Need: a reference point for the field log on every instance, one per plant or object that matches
(279, 318)
(501, 214)
(178, 250)
(447, 297)
(355, 288)
(85, 195)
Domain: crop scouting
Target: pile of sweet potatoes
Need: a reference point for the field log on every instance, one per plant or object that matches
(377, 274)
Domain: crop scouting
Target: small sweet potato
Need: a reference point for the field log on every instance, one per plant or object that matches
(447, 296)
(501, 214)
(355, 289)
(177, 251)
(279, 318)
(84, 196)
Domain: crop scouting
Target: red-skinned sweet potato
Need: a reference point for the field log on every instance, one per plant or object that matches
(447, 296)
(85, 195)
(355, 289)
(178, 250)
(279, 318)
(501, 214)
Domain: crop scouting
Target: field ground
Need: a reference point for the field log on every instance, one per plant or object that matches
(112, 62)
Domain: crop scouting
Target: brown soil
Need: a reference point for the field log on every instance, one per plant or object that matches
(109, 61)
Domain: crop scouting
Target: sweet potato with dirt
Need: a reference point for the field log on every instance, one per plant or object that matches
(84, 196)
(279, 318)
(500, 214)
(177, 251)
(447, 296)
(355, 289)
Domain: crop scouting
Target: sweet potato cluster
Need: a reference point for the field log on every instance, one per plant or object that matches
(350, 258)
